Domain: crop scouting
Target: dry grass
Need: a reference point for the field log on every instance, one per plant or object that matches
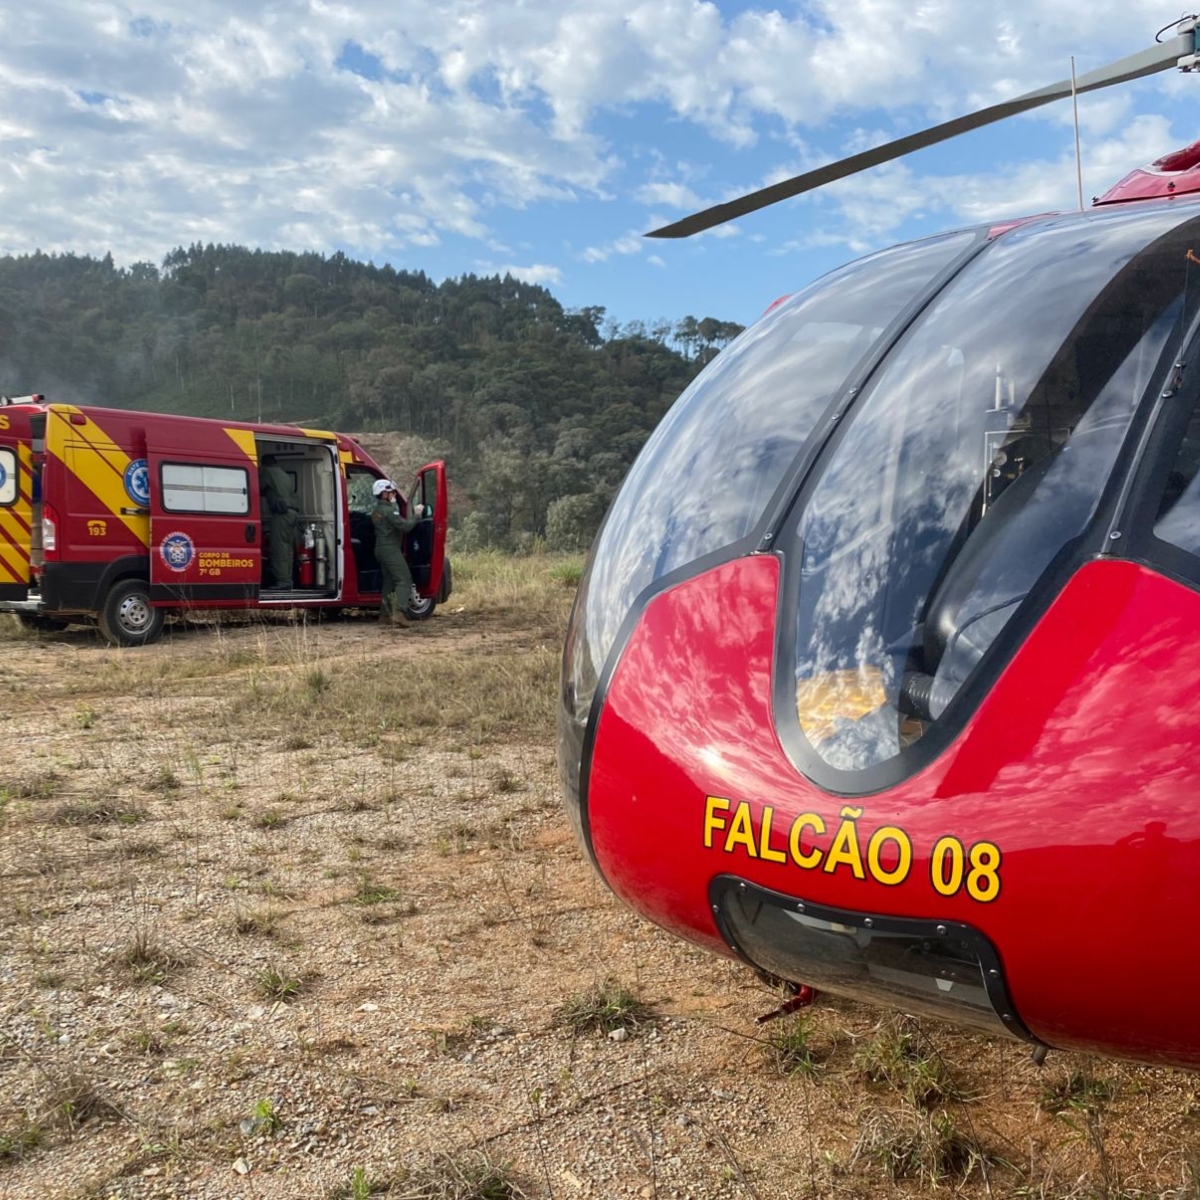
(302, 897)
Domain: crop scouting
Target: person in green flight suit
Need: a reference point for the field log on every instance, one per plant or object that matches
(279, 514)
(390, 528)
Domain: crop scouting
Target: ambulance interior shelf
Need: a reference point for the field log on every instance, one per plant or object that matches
(310, 468)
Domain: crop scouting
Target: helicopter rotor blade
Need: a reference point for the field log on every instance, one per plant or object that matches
(1146, 62)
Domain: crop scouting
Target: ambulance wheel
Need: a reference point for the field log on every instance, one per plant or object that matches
(420, 608)
(41, 623)
(127, 618)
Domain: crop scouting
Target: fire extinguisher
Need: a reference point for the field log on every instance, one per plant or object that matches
(304, 558)
(322, 556)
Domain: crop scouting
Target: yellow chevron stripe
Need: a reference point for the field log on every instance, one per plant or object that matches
(245, 442)
(14, 531)
(16, 547)
(99, 464)
(14, 557)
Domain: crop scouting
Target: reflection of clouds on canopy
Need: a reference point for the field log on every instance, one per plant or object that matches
(891, 513)
(704, 478)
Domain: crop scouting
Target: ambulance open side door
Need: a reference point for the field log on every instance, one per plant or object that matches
(426, 545)
(205, 523)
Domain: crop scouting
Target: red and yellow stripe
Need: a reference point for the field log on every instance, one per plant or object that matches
(16, 522)
(97, 462)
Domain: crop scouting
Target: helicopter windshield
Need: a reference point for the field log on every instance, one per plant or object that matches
(974, 457)
(703, 480)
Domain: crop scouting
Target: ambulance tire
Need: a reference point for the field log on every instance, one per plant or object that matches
(127, 619)
(420, 608)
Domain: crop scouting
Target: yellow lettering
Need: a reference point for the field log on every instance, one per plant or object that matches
(795, 846)
(880, 838)
(3, 421)
(764, 838)
(712, 822)
(983, 879)
(741, 831)
(946, 866)
(845, 846)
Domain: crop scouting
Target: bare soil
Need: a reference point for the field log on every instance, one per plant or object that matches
(293, 911)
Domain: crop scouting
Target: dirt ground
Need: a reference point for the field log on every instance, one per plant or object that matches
(293, 911)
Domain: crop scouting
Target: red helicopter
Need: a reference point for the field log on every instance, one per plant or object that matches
(883, 673)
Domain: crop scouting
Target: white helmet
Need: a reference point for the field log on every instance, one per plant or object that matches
(383, 485)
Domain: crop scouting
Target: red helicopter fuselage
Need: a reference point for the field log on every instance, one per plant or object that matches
(882, 675)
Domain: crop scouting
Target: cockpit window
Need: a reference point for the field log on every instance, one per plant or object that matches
(975, 455)
(703, 480)
(1178, 520)
(705, 476)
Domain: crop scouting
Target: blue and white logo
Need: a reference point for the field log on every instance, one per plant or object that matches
(177, 551)
(3, 477)
(137, 482)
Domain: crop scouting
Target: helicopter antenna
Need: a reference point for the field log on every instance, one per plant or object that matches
(1078, 156)
(1179, 51)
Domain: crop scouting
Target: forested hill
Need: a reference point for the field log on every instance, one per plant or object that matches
(539, 410)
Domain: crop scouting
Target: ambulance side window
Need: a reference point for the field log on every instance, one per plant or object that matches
(200, 488)
(8, 477)
(428, 496)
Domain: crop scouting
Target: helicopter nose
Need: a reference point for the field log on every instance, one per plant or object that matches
(705, 485)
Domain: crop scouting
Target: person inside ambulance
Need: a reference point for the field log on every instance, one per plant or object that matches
(390, 529)
(279, 516)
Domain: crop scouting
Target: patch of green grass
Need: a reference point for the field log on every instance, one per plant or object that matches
(370, 892)
(32, 784)
(903, 1143)
(464, 1175)
(1077, 1090)
(606, 1007)
(162, 779)
(270, 818)
(98, 812)
(275, 983)
(895, 1056)
(148, 960)
(259, 922)
(264, 1120)
(16, 1143)
(789, 1046)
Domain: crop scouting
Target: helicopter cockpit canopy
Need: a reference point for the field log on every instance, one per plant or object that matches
(921, 436)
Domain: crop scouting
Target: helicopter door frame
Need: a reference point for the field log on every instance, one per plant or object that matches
(1135, 517)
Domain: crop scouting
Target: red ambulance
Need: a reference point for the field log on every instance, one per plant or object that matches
(119, 518)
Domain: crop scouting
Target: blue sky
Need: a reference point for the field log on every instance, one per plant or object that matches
(504, 135)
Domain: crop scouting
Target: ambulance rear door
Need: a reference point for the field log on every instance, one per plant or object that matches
(17, 486)
(205, 522)
(426, 545)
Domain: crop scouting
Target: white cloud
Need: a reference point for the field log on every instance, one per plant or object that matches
(674, 195)
(254, 122)
(629, 243)
(534, 273)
